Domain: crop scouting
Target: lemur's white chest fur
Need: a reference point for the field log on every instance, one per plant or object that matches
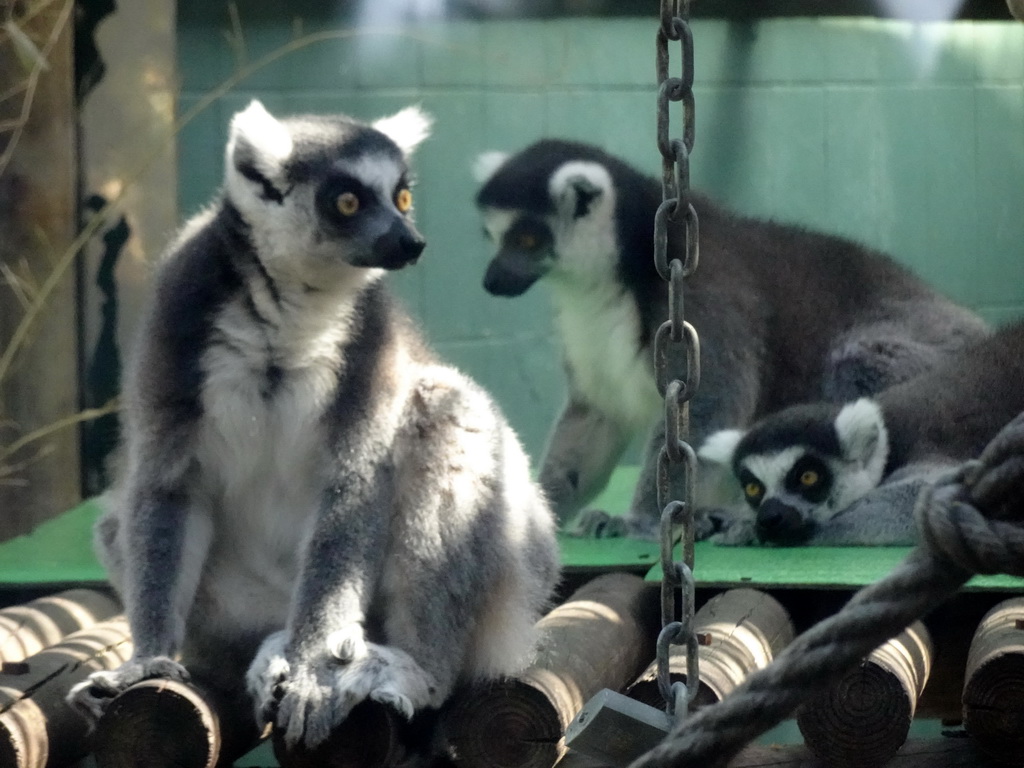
(262, 451)
(591, 322)
(596, 315)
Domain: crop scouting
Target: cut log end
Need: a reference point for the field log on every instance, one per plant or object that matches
(168, 722)
(530, 729)
(860, 722)
(23, 741)
(864, 718)
(371, 737)
(993, 700)
(994, 709)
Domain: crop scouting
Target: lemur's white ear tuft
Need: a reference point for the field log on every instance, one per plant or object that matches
(258, 140)
(577, 185)
(487, 164)
(407, 128)
(860, 427)
(720, 446)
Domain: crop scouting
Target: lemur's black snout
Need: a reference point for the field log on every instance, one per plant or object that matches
(400, 246)
(781, 523)
(413, 244)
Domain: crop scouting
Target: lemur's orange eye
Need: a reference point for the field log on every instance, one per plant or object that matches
(403, 200)
(753, 490)
(528, 241)
(347, 203)
(809, 478)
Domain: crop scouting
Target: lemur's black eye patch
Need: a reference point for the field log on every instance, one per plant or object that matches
(529, 234)
(809, 477)
(341, 197)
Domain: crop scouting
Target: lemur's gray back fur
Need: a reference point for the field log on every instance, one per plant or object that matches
(308, 493)
(784, 314)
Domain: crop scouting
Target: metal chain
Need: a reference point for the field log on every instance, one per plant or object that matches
(677, 463)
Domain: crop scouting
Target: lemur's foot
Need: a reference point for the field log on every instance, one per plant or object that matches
(726, 526)
(598, 524)
(308, 701)
(92, 696)
(266, 674)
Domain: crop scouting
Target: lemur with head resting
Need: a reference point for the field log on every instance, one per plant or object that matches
(785, 315)
(827, 473)
(314, 510)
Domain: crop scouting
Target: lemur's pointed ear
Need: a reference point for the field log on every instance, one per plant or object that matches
(584, 193)
(576, 186)
(720, 447)
(487, 164)
(860, 427)
(407, 128)
(259, 143)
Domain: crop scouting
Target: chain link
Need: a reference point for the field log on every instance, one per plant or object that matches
(677, 463)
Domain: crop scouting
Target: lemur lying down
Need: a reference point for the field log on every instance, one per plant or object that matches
(849, 474)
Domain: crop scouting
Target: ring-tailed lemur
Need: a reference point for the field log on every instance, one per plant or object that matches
(305, 484)
(811, 473)
(784, 314)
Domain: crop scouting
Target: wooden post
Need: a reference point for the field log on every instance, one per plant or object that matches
(29, 628)
(126, 118)
(994, 684)
(598, 639)
(38, 222)
(864, 718)
(744, 630)
(175, 725)
(37, 728)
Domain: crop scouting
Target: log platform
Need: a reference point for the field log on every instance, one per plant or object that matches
(810, 583)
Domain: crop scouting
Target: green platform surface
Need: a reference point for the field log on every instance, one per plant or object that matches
(714, 566)
(60, 552)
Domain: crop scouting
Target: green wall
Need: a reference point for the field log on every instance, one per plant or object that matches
(908, 137)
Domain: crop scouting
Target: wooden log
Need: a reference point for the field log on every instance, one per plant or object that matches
(597, 639)
(864, 718)
(175, 725)
(37, 727)
(372, 736)
(29, 628)
(994, 684)
(743, 630)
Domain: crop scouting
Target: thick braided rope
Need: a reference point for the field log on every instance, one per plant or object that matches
(956, 541)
